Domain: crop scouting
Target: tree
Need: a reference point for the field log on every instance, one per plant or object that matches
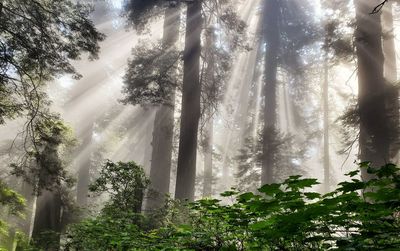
(325, 100)
(82, 186)
(154, 75)
(209, 88)
(374, 139)
(390, 74)
(287, 30)
(38, 40)
(164, 119)
(44, 170)
(272, 38)
(125, 183)
(191, 92)
(151, 80)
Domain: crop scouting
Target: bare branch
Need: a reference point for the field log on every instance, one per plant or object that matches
(379, 7)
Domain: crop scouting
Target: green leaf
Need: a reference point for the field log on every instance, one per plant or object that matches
(260, 225)
(245, 197)
(270, 189)
(353, 173)
(312, 196)
(303, 183)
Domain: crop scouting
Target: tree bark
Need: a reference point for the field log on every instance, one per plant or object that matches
(208, 158)
(82, 187)
(272, 38)
(48, 219)
(374, 131)
(390, 74)
(186, 170)
(163, 131)
(325, 98)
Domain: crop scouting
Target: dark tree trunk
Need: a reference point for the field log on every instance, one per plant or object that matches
(390, 74)
(186, 170)
(163, 131)
(48, 220)
(272, 38)
(374, 131)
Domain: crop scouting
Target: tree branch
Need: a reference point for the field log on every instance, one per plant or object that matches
(379, 7)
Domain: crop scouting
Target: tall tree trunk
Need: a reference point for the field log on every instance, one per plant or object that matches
(390, 74)
(374, 134)
(325, 98)
(163, 131)
(272, 38)
(208, 85)
(253, 59)
(208, 157)
(186, 170)
(82, 187)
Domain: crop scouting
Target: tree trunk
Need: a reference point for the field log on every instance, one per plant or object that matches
(325, 98)
(374, 134)
(82, 187)
(272, 38)
(47, 225)
(390, 74)
(186, 170)
(163, 131)
(252, 69)
(208, 157)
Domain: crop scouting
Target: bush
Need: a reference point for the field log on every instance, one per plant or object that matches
(358, 215)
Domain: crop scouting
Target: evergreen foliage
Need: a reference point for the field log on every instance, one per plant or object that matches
(43, 165)
(37, 41)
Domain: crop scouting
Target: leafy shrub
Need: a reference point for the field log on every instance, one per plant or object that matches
(358, 215)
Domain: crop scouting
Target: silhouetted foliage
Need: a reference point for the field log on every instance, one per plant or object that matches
(38, 40)
(139, 12)
(151, 76)
(43, 166)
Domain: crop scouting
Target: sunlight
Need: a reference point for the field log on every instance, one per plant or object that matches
(121, 155)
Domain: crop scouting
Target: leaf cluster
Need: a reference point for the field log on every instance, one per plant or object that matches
(358, 215)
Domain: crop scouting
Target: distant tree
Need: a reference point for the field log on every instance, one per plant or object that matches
(272, 38)
(194, 103)
(284, 36)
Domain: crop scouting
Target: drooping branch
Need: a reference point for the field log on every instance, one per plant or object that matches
(379, 7)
